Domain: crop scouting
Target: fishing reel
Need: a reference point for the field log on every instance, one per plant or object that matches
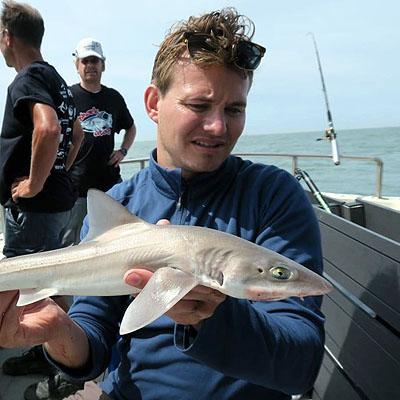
(329, 135)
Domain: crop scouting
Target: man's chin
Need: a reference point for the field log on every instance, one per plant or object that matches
(189, 171)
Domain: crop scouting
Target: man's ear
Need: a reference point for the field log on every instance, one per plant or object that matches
(152, 97)
(9, 38)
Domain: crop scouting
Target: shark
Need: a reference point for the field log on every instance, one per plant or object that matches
(180, 256)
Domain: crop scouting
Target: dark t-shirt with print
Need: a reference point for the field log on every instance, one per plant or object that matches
(39, 83)
(101, 115)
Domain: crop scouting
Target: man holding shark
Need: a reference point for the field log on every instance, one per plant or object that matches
(208, 346)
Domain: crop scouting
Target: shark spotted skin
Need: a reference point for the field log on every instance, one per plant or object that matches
(181, 258)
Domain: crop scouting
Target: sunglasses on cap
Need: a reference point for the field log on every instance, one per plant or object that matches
(246, 55)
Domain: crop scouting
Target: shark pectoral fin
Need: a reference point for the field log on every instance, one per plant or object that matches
(164, 289)
(28, 296)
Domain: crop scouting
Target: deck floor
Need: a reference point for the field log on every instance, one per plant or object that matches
(13, 387)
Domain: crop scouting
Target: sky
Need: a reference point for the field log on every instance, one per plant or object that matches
(358, 42)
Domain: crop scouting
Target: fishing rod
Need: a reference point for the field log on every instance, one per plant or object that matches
(330, 133)
(299, 174)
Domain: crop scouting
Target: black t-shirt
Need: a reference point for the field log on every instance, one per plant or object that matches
(40, 83)
(101, 115)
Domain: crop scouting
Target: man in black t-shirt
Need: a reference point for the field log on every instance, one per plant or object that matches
(102, 112)
(40, 138)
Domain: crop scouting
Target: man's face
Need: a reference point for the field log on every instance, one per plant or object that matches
(200, 118)
(5, 51)
(2, 39)
(90, 69)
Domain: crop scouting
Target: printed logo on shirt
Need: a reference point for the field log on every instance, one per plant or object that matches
(65, 92)
(63, 107)
(96, 122)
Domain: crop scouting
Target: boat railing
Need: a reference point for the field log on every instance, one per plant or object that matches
(295, 159)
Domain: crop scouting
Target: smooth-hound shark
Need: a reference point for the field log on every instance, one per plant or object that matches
(181, 258)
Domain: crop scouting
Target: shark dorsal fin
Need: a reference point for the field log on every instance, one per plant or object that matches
(105, 213)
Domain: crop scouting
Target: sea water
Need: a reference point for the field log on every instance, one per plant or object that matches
(354, 177)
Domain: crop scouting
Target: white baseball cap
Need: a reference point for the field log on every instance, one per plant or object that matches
(89, 47)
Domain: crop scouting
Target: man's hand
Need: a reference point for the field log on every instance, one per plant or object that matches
(43, 322)
(22, 187)
(29, 325)
(199, 304)
(115, 158)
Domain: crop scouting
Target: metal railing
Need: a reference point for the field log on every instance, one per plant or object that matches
(141, 161)
(295, 158)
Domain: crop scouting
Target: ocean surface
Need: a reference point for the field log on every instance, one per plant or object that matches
(354, 177)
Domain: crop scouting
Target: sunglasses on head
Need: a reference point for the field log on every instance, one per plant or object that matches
(246, 55)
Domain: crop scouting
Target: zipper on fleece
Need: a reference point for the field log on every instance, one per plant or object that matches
(182, 201)
(182, 196)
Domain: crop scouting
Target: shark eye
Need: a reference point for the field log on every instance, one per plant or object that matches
(280, 273)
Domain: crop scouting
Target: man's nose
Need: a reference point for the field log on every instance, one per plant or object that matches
(215, 122)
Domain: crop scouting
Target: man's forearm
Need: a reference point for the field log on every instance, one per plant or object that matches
(45, 142)
(129, 137)
(77, 138)
(44, 153)
(72, 349)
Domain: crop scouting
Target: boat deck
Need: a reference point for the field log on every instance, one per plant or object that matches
(13, 387)
(388, 202)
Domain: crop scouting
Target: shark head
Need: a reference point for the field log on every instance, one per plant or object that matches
(261, 274)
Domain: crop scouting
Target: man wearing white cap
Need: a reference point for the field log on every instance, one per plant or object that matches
(102, 112)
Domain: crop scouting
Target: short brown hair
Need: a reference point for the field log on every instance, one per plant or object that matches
(23, 21)
(225, 26)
